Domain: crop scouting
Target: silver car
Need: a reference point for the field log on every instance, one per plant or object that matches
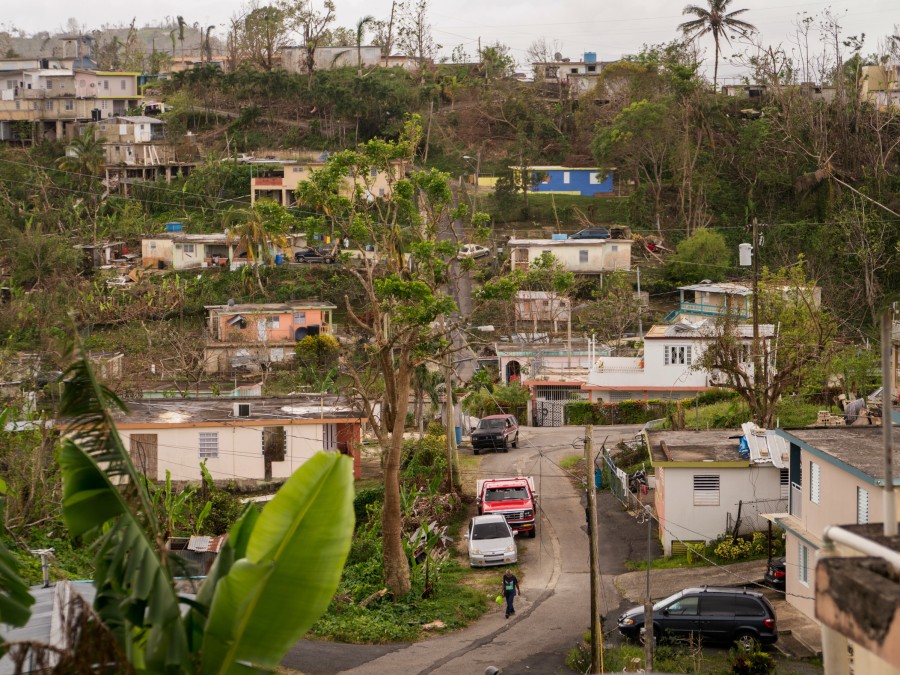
(491, 542)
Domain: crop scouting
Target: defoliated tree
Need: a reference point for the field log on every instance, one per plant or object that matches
(258, 230)
(263, 33)
(614, 311)
(312, 25)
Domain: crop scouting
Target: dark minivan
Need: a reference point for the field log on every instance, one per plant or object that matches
(714, 614)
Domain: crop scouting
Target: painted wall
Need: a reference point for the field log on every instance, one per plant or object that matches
(106, 84)
(602, 255)
(584, 182)
(758, 487)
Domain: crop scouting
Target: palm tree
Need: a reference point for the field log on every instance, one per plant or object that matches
(258, 229)
(84, 156)
(715, 19)
(360, 34)
(181, 24)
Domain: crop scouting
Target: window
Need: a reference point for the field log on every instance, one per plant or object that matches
(592, 69)
(706, 490)
(803, 568)
(582, 257)
(297, 169)
(814, 479)
(744, 606)
(36, 105)
(152, 245)
(70, 105)
(49, 84)
(678, 355)
(274, 322)
(548, 251)
(103, 105)
(597, 178)
(188, 249)
(567, 177)
(106, 84)
(209, 444)
(17, 105)
(123, 85)
(373, 172)
(381, 192)
(862, 506)
(719, 605)
(785, 483)
(10, 84)
(81, 83)
(48, 105)
(686, 606)
(299, 318)
(614, 248)
(574, 71)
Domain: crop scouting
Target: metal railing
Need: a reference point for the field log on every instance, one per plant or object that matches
(796, 500)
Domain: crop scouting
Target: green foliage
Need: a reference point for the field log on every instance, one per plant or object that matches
(15, 598)
(363, 502)
(733, 550)
(317, 351)
(752, 663)
(703, 255)
(509, 399)
(623, 412)
(426, 457)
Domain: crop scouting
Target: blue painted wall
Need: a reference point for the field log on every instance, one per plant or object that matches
(579, 181)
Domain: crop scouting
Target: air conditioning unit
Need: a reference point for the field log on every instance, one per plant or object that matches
(242, 410)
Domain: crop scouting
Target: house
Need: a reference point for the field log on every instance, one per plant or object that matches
(752, 92)
(135, 148)
(293, 59)
(103, 254)
(706, 486)
(579, 76)
(666, 369)
(251, 337)
(734, 298)
(880, 85)
(278, 181)
(542, 309)
(566, 180)
(182, 251)
(239, 439)
(836, 477)
(582, 256)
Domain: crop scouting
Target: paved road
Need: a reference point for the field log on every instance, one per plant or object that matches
(554, 609)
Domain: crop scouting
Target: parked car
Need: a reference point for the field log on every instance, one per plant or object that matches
(775, 574)
(312, 255)
(491, 541)
(736, 615)
(473, 251)
(591, 233)
(496, 432)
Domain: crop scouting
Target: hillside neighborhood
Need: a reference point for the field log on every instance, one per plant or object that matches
(329, 348)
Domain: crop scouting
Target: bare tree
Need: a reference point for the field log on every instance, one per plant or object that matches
(416, 39)
(312, 25)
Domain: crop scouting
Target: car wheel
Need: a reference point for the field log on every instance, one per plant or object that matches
(516, 440)
(532, 533)
(747, 642)
(642, 636)
(505, 445)
(475, 450)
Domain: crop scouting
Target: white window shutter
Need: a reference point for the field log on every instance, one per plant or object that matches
(862, 506)
(666, 352)
(706, 490)
(688, 351)
(814, 483)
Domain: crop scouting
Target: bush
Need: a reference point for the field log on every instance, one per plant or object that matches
(754, 663)
(728, 550)
(623, 412)
(365, 497)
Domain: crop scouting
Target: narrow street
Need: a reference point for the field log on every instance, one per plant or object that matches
(554, 609)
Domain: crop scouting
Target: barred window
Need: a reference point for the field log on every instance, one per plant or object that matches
(209, 444)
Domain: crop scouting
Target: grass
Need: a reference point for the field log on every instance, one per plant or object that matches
(790, 413)
(680, 561)
(569, 462)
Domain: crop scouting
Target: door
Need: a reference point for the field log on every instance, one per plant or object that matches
(143, 451)
(681, 619)
(261, 330)
(717, 616)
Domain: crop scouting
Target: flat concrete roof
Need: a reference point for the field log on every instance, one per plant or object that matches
(859, 447)
(289, 306)
(566, 242)
(719, 445)
(189, 411)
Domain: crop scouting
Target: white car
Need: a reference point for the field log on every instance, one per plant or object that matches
(491, 542)
(473, 251)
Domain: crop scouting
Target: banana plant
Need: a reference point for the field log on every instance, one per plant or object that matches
(273, 578)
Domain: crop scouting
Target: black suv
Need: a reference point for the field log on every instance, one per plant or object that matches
(312, 255)
(713, 614)
(496, 432)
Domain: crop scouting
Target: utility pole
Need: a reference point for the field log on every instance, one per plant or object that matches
(640, 305)
(757, 363)
(887, 428)
(649, 632)
(596, 639)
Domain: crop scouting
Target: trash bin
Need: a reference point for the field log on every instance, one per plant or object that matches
(279, 259)
(598, 478)
(458, 435)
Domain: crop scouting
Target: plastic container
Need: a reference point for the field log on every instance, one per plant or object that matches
(279, 259)
(458, 435)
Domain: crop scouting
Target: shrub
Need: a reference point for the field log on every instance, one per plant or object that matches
(754, 663)
(424, 457)
(728, 550)
(365, 497)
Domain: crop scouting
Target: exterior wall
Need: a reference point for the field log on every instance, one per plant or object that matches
(284, 332)
(155, 250)
(604, 255)
(182, 260)
(293, 59)
(105, 84)
(555, 366)
(281, 188)
(240, 450)
(800, 595)
(585, 182)
(758, 487)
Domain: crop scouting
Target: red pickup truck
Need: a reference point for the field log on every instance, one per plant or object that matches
(513, 498)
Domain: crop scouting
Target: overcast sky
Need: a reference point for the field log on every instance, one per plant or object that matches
(610, 29)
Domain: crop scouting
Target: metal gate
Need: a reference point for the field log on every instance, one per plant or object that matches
(549, 413)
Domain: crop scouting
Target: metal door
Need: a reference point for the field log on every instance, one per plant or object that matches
(549, 413)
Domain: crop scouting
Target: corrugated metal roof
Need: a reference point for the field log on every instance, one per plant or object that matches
(724, 287)
(766, 445)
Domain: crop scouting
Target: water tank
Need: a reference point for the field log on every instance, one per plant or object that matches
(745, 255)
(590, 57)
(556, 237)
(174, 227)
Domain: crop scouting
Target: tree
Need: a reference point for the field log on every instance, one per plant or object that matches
(263, 34)
(181, 24)
(258, 229)
(615, 310)
(312, 24)
(715, 19)
(415, 33)
(360, 34)
(404, 286)
(275, 575)
(84, 156)
(703, 255)
(803, 340)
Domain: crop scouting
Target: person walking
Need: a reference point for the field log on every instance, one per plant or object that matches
(510, 590)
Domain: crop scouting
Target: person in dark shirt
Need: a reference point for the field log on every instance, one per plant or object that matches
(510, 590)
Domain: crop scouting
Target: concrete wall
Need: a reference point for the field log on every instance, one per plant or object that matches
(603, 255)
(585, 182)
(758, 487)
(154, 250)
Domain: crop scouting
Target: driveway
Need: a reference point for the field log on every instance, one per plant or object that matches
(553, 611)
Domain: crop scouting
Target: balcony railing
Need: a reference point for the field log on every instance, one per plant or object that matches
(704, 309)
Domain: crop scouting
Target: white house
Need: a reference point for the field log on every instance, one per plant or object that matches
(666, 370)
(180, 251)
(238, 438)
(705, 487)
(293, 59)
(582, 256)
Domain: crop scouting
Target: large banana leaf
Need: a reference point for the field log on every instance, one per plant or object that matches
(104, 496)
(15, 598)
(294, 558)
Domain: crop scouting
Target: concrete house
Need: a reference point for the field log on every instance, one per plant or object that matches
(293, 59)
(182, 251)
(239, 439)
(251, 337)
(713, 299)
(666, 369)
(706, 488)
(836, 478)
(881, 85)
(564, 180)
(579, 76)
(542, 309)
(582, 256)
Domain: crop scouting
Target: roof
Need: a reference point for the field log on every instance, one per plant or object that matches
(264, 307)
(195, 411)
(139, 119)
(559, 167)
(719, 445)
(860, 449)
(727, 287)
(766, 445)
(705, 328)
(541, 295)
(566, 242)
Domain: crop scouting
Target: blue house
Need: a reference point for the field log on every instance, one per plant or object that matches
(565, 180)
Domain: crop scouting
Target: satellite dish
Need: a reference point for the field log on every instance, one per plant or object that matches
(557, 56)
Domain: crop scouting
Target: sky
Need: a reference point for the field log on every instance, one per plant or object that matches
(610, 29)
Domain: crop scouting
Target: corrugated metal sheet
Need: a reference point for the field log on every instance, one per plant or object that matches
(766, 445)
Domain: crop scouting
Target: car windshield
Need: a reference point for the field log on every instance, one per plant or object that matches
(490, 531)
(491, 424)
(505, 494)
(664, 603)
